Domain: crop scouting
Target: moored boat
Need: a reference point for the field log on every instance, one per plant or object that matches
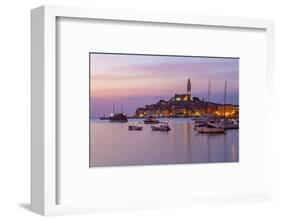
(118, 117)
(210, 128)
(151, 120)
(229, 124)
(135, 127)
(232, 124)
(201, 119)
(162, 127)
(198, 125)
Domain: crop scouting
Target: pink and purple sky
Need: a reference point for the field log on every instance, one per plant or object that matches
(136, 80)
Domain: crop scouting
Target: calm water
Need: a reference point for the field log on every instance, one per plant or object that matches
(112, 144)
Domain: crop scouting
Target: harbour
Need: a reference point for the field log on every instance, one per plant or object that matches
(181, 145)
(208, 117)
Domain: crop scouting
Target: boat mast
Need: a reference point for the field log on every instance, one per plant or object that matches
(224, 99)
(121, 108)
(113, 109)
(209, 92)
(209, 89)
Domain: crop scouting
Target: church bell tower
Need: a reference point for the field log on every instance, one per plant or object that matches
(188, 91)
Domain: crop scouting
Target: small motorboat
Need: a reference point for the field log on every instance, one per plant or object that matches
(151, 120)
(135, 127)
(203, 119)
(162, 127)
(210, 128)
(230, 124)
(198, 125)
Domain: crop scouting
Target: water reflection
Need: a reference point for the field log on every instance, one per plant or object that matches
(113, 145)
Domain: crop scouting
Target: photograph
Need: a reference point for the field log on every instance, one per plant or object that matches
(150, 109)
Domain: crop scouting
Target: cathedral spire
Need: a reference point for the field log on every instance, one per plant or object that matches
(188, 88)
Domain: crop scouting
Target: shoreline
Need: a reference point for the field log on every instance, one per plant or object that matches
(107, 118)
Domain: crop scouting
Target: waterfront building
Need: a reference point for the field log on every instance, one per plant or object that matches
(184, 105)
(229, 110)
(180, 97)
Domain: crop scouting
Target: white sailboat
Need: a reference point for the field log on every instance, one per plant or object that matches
(206, 118)
(212, 125)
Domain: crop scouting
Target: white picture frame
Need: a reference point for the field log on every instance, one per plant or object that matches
(44, 173)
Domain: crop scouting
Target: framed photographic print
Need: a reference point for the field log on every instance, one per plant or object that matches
(137, 110)
(144, 110)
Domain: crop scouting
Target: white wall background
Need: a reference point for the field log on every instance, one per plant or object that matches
(15, 107)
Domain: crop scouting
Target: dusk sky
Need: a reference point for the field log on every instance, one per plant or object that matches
(137, 80)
